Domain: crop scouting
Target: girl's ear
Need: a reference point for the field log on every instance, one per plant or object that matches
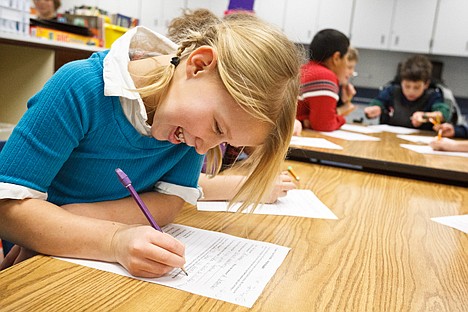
(202, 59)
(336, 57)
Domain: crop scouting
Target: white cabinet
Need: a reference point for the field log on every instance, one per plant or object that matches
(271, 11)
(371, 24)
(335, 14)
(156, 14)
(218, 7)
(300, 20)
(451, 28)
(398, 25)
(412, 25)
(304, 18)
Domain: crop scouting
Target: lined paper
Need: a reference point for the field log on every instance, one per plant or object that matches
(426, 149)
(457, 222)
(350, 136)
(298, 203)
(220, 266)
(314, 142)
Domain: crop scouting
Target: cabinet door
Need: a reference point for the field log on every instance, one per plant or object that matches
(412, 25)
(371, 24)
(271, 11)
(451, 29)
(216, 6)
(301, 20)
(150, 14)
(335, 14)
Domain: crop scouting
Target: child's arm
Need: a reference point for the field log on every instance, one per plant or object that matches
(449, 145)
(46, 228)
(224, 187)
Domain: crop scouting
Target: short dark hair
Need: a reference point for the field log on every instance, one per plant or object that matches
(325, 43)
(416, 68)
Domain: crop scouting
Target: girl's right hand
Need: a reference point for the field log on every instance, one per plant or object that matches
(146, 252)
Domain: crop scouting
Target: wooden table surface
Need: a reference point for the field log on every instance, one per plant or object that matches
(383, 254)
(388, 156)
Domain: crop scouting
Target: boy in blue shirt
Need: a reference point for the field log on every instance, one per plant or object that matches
(411, 103)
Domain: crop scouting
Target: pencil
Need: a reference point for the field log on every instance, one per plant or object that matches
(439, 135)
(125, 180)
(291, 171)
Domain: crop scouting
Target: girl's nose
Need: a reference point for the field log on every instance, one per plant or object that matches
(202, 146)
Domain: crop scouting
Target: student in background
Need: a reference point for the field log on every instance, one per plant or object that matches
(320, 79)
(411, 103)
(223, 187)
(347, 90)
(451, 131)
(47, 9)
(154, 117)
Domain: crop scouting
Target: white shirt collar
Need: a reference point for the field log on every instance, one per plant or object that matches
(136, 43)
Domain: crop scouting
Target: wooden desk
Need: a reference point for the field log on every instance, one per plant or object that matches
(383, 254)
(386, 156)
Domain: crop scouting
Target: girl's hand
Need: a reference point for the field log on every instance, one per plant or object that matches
(16, 255)
(372, 111)
(284, 183)
(146, 252)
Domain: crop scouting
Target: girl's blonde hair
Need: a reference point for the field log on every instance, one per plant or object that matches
(259, 67)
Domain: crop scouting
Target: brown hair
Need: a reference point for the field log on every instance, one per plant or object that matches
(416, 68)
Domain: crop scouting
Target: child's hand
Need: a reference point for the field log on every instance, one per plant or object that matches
(146, 252)
(16, 255)
(297, 127)
(373, 111)
(284, 183)
(444, 145)
(447, 129)
(417, 119)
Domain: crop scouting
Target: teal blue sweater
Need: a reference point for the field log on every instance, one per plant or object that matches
(72, 138)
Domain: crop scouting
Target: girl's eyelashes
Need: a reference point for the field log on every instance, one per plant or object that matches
(218, 130)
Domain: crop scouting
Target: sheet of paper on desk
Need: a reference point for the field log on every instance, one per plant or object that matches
(416, 138)
(298, 203)
(220, 266)
(362, 129)
(426, 149)
(394, 129)
(350, 136)
(314, 142)
(457, 222)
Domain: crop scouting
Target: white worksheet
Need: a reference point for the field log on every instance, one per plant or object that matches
(219, 266)
(314, 142)
(298, 203)
(457, 222)
(350, 136)
(357, 128)
(394, 129)
(417, 138)
(426, 149)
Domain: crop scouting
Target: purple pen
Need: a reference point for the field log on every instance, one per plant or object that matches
(125, 180)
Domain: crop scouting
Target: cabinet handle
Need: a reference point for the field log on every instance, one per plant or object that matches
(382, 39)
(466, 46)
(309, 34)
(397, 39)
(155, 22)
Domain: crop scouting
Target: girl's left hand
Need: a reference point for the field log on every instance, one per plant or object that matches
(284, 183)
(16, 255)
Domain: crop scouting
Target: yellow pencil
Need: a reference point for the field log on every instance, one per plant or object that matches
(439, 135)
(291, 171)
